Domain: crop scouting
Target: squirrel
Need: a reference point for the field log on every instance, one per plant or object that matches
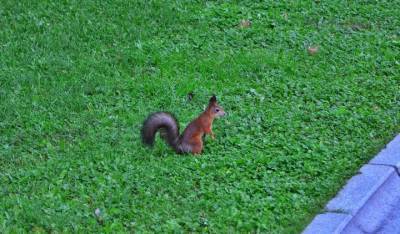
(191, 140)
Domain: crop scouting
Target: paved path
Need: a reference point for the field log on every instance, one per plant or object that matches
(369, 202)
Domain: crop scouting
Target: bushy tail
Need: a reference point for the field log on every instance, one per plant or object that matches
(168, 126)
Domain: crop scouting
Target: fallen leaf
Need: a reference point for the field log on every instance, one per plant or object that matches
(285, 16)
(245, 23)
(312, 50)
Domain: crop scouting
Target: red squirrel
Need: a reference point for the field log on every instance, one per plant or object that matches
(191, 140)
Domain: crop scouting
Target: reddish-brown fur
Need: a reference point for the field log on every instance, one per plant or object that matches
(193, 134)
(200, 126)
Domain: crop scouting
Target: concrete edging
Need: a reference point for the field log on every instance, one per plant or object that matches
(370, 200)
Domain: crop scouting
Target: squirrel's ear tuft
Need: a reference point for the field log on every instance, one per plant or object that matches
(213, 99)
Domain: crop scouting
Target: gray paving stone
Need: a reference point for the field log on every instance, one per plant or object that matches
(390, 155)
(360, 188)
(392, 223)
(373, 216)
(328, 223)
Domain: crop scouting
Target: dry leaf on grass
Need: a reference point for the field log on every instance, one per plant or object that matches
(312, 50)
(244, 23)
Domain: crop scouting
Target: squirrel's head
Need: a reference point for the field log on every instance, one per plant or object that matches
(214, 108)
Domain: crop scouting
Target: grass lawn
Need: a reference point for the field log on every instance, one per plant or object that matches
(77, 78)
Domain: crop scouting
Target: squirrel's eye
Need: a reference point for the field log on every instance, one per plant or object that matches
(216, 110)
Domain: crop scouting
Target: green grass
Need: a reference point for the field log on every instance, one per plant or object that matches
(78, 78)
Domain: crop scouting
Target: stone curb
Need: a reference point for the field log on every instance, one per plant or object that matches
(368, 201)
